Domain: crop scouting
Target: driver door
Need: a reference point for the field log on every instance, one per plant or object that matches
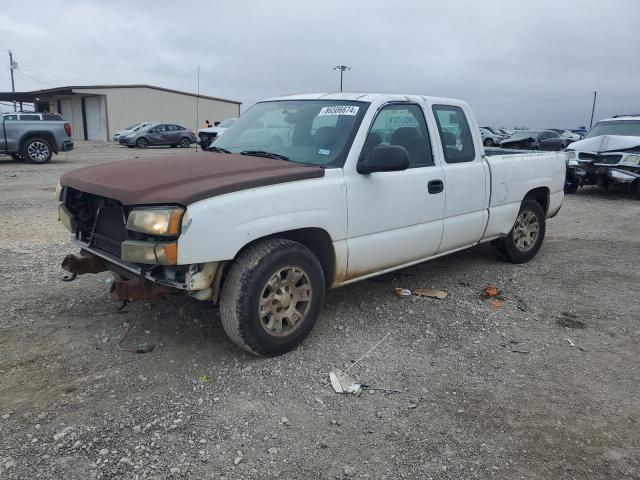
(156, 135)
(395, 218)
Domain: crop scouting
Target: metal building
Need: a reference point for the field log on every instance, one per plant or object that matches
(98, 111)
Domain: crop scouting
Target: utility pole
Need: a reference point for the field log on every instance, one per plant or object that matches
(593, 109)
(13, 85)
(342, 68)
(198, 108)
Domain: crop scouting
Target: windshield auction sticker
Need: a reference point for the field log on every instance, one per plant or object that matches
(339, 110)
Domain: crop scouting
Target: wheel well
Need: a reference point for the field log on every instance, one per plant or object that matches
(540, 195)
(48, 136)
(315, 239)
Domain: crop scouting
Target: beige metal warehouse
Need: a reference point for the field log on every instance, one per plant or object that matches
(98, 111)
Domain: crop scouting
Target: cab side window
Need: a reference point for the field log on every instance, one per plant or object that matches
(455, 134)
(403, 125)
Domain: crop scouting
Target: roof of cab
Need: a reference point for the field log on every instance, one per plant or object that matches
(367, 97)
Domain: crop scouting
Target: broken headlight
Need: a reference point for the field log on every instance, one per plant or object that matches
(633, 160)
(164, 221)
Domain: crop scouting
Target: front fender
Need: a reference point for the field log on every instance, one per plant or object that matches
(216, 229)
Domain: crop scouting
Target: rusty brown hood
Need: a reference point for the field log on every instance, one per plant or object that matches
(184, 178)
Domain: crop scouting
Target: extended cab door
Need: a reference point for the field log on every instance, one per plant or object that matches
(466, 178)
(395, 218)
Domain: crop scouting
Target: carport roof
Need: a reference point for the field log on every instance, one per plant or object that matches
(31, 96)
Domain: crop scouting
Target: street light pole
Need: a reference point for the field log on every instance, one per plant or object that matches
(342, 68)
(13, 85)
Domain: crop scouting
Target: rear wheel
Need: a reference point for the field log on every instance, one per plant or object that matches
(525, 238)
(185, 142)
(142, 142)
(36, 150)
(16, 157)
(272, 297)
(488, 142)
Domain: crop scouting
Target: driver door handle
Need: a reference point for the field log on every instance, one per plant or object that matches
(435, 186)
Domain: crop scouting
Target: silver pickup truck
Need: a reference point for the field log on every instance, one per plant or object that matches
(34, 140)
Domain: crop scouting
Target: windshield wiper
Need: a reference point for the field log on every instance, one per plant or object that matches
(262, 153)
(213, 148)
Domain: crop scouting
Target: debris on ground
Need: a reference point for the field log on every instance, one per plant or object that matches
(421, 292)
(402, 292)
(490, 291)
(571, 344)
(497, 304)
(343, 382)
(427, 292)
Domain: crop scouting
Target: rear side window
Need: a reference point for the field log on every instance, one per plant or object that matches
(455, 134)
(178, 127)
(403, 125)
(29, 117)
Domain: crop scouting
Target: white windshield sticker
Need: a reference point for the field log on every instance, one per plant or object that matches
(339, 110)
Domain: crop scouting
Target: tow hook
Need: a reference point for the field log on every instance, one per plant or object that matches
(134, 289)
(86, 262)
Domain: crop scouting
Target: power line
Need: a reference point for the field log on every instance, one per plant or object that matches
(36, 79)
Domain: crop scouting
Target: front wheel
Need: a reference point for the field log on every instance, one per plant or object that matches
(525, 238)
(272, 297)
(36, 150)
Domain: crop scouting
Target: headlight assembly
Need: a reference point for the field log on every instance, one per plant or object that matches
(632, 160)
(164, 221)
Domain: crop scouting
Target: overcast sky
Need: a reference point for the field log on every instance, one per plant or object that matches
(533, 63)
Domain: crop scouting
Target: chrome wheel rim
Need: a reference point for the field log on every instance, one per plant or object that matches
(38, 151)
(142, 143)
(285, 301)
(526, 230)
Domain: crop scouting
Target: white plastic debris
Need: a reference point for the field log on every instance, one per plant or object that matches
(342, 382)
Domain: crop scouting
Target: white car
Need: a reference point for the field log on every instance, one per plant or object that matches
(363, 184)
(208, 135)
(131, 129)
(490, 139)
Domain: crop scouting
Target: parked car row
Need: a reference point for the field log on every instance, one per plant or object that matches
(156, 134)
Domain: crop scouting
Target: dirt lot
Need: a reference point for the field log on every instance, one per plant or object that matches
(546, 387)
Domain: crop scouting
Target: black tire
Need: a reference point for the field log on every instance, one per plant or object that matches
(185, 142)
(488, 142)
(36, 150)
(511, 248)
(570, 187)
(142, 142)
(173, 145)
(246, 285)
(16, 157)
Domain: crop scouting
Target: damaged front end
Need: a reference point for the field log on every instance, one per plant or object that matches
(138, 244)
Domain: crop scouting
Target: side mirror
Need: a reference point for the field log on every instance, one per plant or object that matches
(385, 158)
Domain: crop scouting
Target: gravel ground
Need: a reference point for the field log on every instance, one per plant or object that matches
(545, 387)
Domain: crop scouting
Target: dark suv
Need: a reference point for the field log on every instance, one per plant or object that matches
(159, 134)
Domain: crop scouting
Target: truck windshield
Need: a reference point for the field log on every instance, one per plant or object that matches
(627, 128)
(316, 132)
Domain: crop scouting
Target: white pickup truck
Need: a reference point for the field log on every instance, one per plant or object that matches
(362, 184)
